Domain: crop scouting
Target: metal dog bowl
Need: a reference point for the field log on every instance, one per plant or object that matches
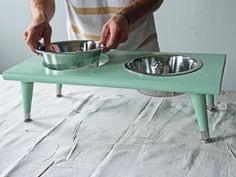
(66, 55)
(163, 65)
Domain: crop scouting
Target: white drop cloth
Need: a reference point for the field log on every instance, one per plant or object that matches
(107, 132)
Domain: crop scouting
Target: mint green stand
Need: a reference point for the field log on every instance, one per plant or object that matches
(199, 104)
(58, 90)
(210, 103)
(201, 84)
(27, 92)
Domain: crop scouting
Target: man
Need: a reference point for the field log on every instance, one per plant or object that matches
(122, 24)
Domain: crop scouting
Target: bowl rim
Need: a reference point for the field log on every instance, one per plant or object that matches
(39, 50)
(199, 65)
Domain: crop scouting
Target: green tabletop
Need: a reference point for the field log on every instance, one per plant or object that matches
(206, 80)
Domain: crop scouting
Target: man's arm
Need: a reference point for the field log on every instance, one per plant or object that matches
(116, 30)
(140, 8)
(42, 11)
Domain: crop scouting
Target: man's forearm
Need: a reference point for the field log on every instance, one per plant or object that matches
(42, 10)
(139, 9)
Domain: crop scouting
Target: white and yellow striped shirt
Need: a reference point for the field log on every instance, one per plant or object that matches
(85, 19)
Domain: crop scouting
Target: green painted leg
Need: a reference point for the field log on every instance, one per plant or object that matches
(27, 91)
(210, 102)
(59, 87)
(199, 104)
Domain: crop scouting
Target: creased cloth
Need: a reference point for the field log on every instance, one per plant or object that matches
(110, 132)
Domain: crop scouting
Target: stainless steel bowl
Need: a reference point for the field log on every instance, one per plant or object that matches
(162, 65)
(66, 55)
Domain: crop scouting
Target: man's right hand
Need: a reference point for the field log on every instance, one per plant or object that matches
(36, 31)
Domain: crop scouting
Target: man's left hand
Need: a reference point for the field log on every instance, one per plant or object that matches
(114, 32)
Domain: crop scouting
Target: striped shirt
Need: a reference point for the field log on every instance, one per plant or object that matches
(85, 19)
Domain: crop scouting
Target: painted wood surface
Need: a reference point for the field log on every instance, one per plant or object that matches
(207, 80)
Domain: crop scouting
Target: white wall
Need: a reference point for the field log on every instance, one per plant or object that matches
(202, 26)
(14, 19)
(205, 26)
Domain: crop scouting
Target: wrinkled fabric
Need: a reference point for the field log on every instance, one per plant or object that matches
(109, 132)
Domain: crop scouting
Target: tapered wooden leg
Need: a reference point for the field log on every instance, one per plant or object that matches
(199, 104)
(59, 88)
(210, 102)
(27, 92)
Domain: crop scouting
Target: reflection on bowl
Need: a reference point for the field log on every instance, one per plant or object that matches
(71, 54)
(103, 59)
(162, 65)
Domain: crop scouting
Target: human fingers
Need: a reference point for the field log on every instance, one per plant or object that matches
(47, 37)
(113, 40)
(35, 33)
(123, 36)
(32, 40)
(104, 35)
